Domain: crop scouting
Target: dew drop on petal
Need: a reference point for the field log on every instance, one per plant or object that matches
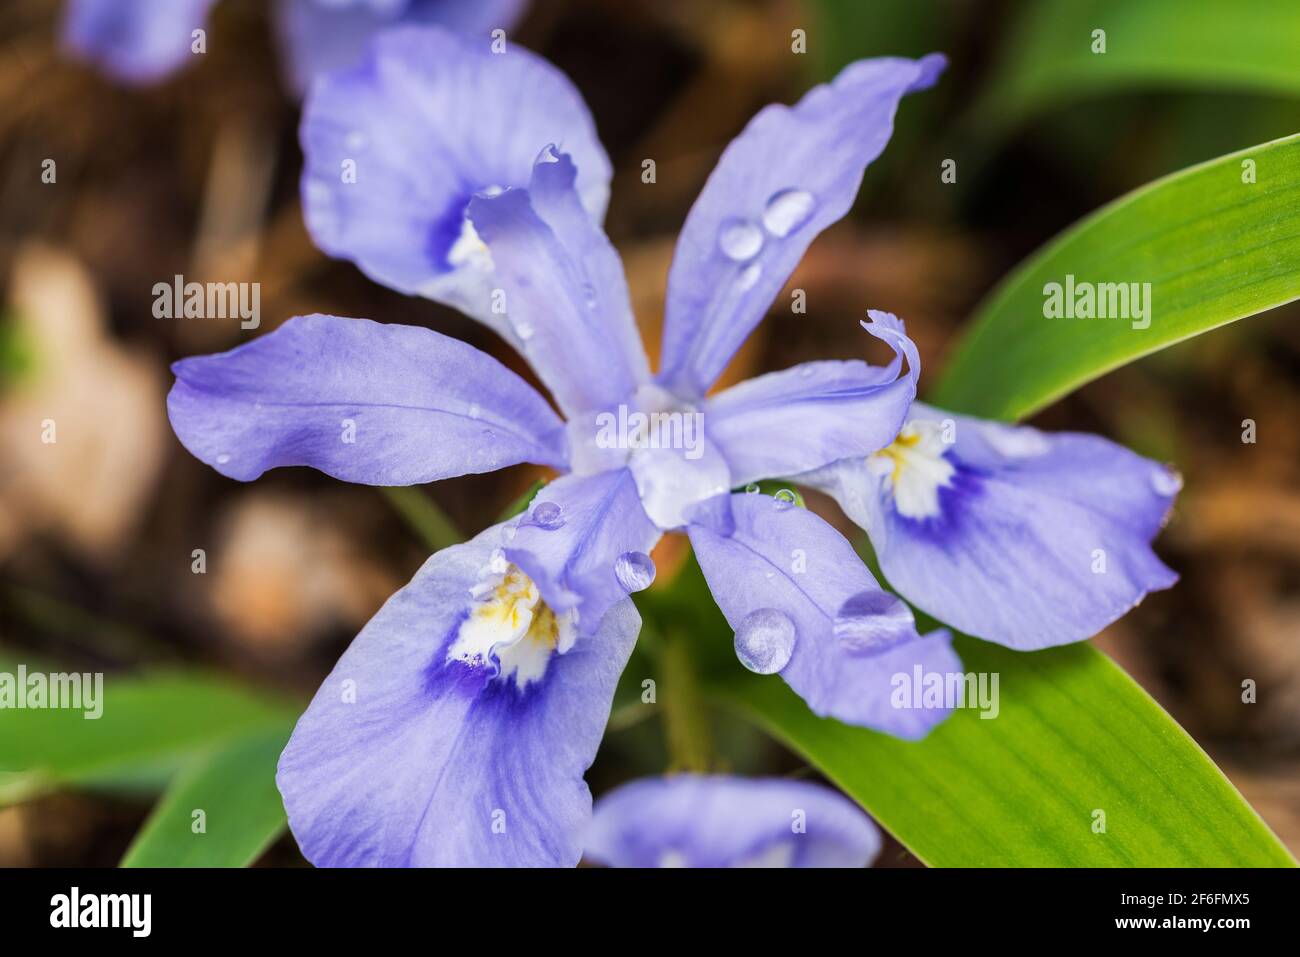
(874, 621)
(547, 515)
(752, 488)
(745, 281)
(1165, 482)
(787, 210)
(474, 410)
(223, 458)
(783, 499)
(765, 640)
(635, 571)
(739, 239)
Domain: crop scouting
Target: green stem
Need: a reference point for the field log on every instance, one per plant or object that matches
(426, 519)
(686, 725)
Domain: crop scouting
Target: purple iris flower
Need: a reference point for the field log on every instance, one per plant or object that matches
(457, 727)
(144, 41)
(690, 820)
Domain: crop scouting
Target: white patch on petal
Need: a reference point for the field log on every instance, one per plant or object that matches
(914, 468)
(470, 251)
(510, 628)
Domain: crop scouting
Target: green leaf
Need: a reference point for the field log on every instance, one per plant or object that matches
(149, 726)
(1074, 735)
(1213, 248)
(242, 814)
(1194, 44)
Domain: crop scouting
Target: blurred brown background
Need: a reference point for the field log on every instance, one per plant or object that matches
(198, 176)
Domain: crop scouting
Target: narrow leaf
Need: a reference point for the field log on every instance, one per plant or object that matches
(1055, 54)
(221, 811)
(1076, 746)
(149, 725)
(1216, 243)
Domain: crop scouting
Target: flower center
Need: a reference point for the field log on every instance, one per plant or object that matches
(510, 628)
(914, 468)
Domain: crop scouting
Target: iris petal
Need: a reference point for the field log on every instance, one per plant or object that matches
(767, 555)
(361, 401)
(1035, 540)
(693, 820)
(791, 172)
(405, 758)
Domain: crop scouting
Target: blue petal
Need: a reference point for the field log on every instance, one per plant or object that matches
(791, 173)
(564, 289)
(772, 555)
(1039, 539)
(135, 41)
(317, 36)
(429, 119)
(407, 758)
(573, 552)
(808, 416)
(361, 401)
(692, 820)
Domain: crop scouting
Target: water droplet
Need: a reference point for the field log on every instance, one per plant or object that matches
(223, 458)
(750, 276)
(739, 239)
(783, 499)
(548, 516)
(635, 571)
(474, 410)
(873, 621)
(752, 488)
(806, 370)
(1165, 481)
(765, 640)
(524, 330)
(787, 210)
(589, 295)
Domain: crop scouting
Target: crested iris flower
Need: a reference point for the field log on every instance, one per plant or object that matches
(690, 820)
(144, 41)
(457, 727)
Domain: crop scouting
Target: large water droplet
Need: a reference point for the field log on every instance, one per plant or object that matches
(739, 239)
(765, 640)
(1166, 482)
(635, 571)
(783, 499)
(787, 210)
(873, 621)
(548, 516)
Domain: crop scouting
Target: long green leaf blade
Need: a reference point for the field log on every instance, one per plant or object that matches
(150, 725)
(234, 788)
(1214, 247)
(1188, 44)
(1074, 736)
